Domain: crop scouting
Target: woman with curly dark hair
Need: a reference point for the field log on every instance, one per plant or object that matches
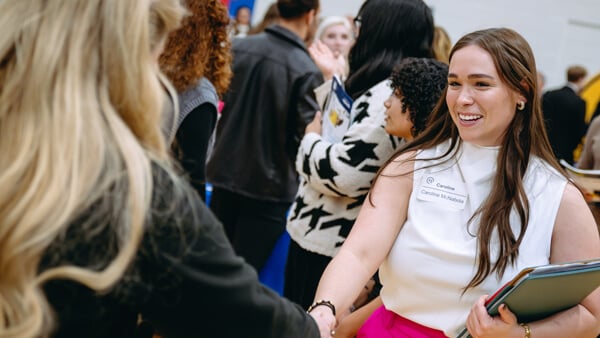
(196, 60)
(417, 84)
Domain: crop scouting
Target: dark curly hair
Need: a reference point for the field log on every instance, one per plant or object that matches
(199, 48)
(420, 83)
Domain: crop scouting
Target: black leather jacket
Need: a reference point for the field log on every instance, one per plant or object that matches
(267, 107)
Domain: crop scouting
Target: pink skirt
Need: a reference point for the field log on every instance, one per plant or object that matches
(386, 324)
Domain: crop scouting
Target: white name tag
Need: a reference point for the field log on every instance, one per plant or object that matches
(444, 190)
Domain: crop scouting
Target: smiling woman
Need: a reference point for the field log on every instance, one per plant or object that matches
(481, 104)
(474, 196)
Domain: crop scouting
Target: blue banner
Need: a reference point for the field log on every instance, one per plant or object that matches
(235, 4)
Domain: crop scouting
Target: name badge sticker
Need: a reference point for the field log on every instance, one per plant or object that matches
(447, 191)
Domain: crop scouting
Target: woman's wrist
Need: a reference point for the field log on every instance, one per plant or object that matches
(322, 303)
(527, 329)
(325, 320)
(327, 75)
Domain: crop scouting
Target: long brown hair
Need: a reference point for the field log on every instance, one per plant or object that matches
(200, 48)
(525, 136)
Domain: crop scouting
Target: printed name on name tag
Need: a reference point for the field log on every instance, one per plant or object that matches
(445, 190)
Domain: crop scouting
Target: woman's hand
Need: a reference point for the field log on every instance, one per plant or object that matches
(325, 320)
(328, 62)
(481, 325)
(315, 126)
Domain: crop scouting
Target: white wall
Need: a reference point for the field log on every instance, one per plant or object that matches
(560, 32)
(328, 7)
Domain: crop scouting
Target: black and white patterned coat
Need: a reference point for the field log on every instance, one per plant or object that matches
(336, 177)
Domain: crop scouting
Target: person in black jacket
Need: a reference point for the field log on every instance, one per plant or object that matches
(267, 107)
(97, 230)
(564, 114)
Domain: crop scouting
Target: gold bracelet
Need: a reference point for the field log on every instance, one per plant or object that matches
(527, 330)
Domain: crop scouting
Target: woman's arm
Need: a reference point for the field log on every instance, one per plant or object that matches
(346, 168)
(575, 237)
(369, 242)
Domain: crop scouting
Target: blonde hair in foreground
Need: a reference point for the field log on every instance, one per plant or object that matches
(80, 109)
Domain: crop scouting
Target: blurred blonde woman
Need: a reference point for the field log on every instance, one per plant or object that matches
(336, 33)
(333, 40)
(95, 228)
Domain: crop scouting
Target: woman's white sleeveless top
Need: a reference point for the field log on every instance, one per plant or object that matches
(433, 258)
